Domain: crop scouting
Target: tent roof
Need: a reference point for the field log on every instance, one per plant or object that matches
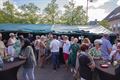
(26, 27)
(45, 28)
(97, 29)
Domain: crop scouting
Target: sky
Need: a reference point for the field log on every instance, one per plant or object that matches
(98, 9)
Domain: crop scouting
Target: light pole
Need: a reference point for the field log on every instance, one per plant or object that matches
(87, 7)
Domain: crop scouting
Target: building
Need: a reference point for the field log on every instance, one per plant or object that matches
(114, 20)
(95, 22)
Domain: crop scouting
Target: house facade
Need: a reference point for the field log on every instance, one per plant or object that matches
(114, 20)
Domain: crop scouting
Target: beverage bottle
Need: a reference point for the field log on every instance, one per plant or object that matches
(112, 60)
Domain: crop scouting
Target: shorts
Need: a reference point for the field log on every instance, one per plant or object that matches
(66, 56)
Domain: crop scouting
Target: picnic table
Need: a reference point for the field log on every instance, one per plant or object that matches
(10, 69)
(107, 73)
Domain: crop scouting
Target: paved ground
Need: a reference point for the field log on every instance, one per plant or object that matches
(47, 73)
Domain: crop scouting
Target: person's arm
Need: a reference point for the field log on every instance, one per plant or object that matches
(35, 43)
(91, 52)
(113, 54)
(77, 61)
(109, 46)
(92, 62)
(43, 44)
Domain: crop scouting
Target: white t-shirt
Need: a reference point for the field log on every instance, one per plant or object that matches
(66, 47)
(54, 45)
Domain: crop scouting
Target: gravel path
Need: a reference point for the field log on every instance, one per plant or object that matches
(47, 73)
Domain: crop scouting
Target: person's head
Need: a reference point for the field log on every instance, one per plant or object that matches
(37, 37)
(66, 37)
(12, 35)
(51, 37)
(75, 40)
(106, 36)
(59, 37)
(86, 41)
(72, 38)
(84, 47)
(0, 36)
(117, 40)
(98, 43)
(54, 37)
(63, 37)
(21, 37)
(42, 38)
(26, 43)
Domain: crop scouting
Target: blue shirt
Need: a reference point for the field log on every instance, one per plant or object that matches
(106, 45)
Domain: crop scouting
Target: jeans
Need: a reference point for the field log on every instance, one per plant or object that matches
(28, 74)
(55, 59)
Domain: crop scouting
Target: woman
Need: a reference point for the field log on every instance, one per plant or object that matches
(85, 63)
(73, 53)
(95, 52)
(114, 47)
(17, 46)
(87, 42)
(36, 45)
(28, 54)
(115, 54)
(11, 42)
(42, 52)
(72, 40)
(66, 46)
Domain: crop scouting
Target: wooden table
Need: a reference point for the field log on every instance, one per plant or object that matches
(106, 73)
(10, 69)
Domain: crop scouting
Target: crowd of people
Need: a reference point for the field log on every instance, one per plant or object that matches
(77, 57)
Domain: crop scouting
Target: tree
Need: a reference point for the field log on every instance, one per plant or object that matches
(74, 15)
(8, 12)
(51, 11)
(2, 17)
(104, 23)
(79, 17)
(29, 13)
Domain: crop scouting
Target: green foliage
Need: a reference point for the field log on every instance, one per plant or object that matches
(51, 11)
(27, 13)
(74, 15)
(104, 23)
(7, 13)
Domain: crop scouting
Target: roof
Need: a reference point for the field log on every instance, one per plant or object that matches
(97, 29)
(60, 29)
(114, 15)
(26, 27)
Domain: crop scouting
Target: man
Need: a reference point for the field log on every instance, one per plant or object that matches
(106, 47)
(54, 46)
